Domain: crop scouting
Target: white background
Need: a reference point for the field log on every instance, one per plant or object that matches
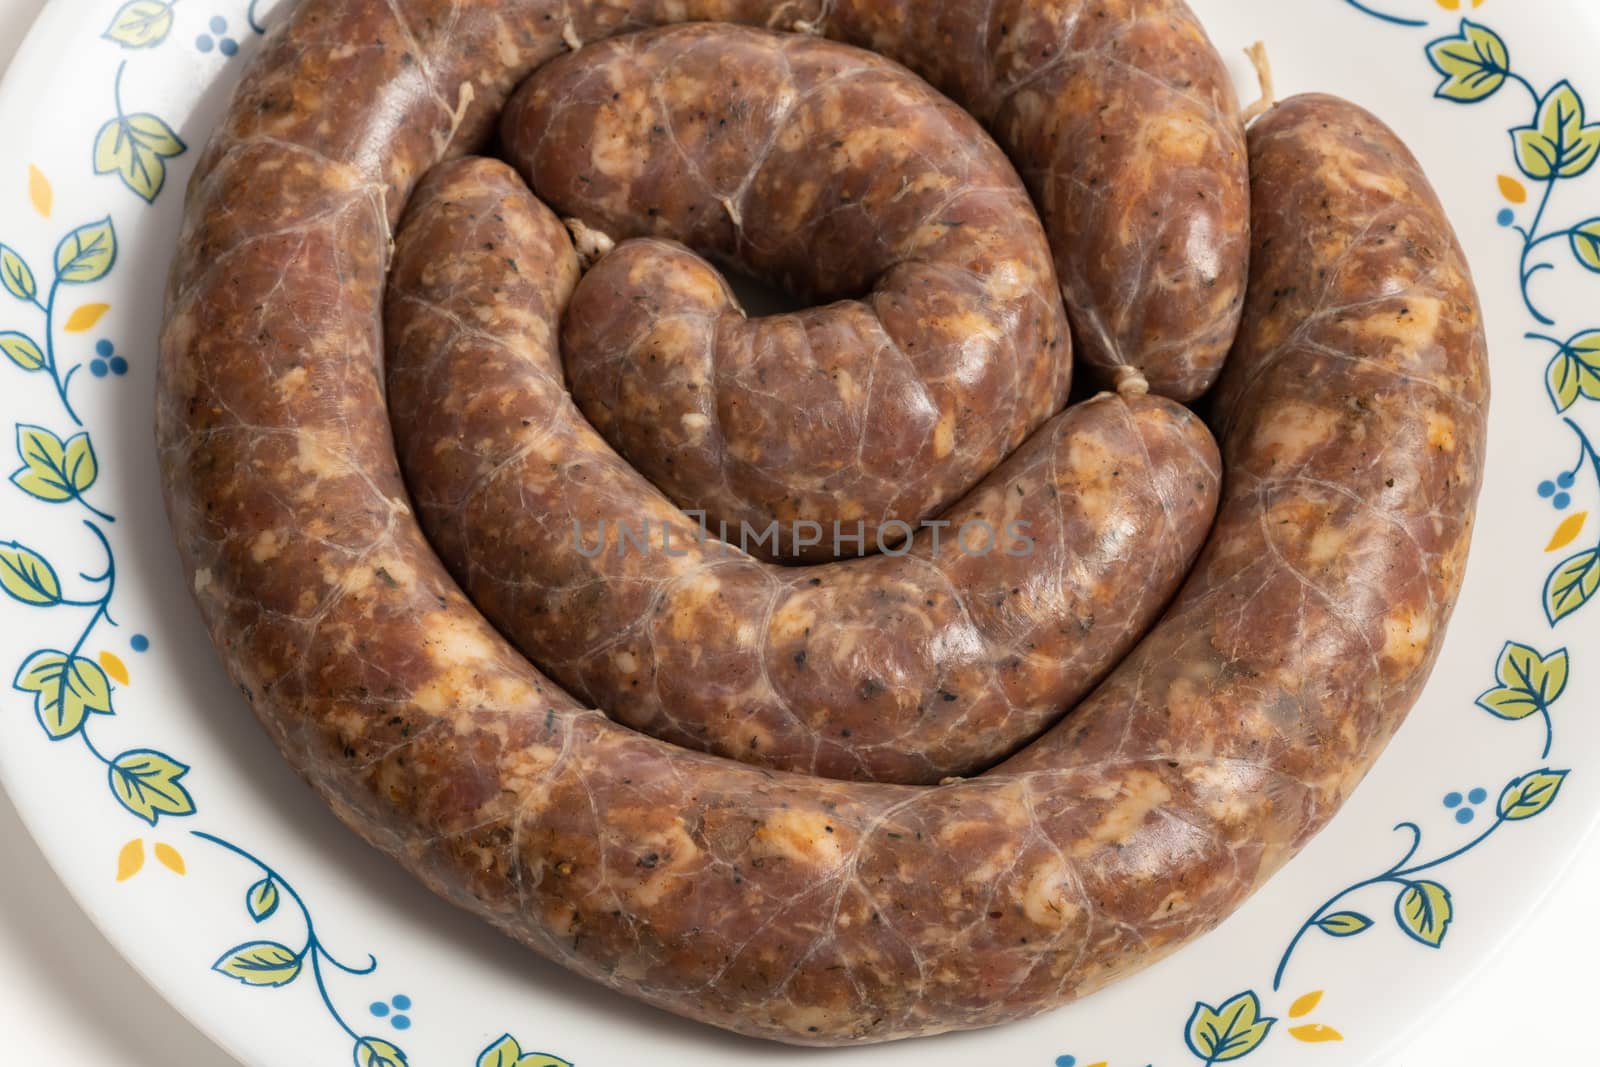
(66, 997)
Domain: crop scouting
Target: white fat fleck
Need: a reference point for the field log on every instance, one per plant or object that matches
(1045, 901)
(265, 547)
(202, 580)
(569, 34)
(804, 837)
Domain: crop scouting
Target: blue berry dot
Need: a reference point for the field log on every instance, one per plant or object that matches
(218, 24)
(119, 365)
(1465, 815)
(139, 643)
(204, 43)
(1547, 489)
(401, 1022)
(1478, 796)
(104, 348)
(401, 1002)
(1507, 217)
(1567, 480)
(379, 1008)
(1452, 800)
(98, 368)
(1066, 1061)
(229, 47)
(1562, 501)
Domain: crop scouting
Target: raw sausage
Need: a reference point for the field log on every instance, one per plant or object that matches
(829, 172)
(779, 905)
(935, 660)
(1123, 121)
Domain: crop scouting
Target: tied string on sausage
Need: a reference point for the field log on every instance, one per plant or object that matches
(779, 905)
(935, 659)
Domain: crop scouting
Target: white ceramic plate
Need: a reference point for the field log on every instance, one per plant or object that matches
(204, 859)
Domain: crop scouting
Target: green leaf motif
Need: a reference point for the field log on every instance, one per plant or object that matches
(260, 963)
(1474, 63)
(28, 576)
(1572, 585)
(262, 900)
(135, 148)
(16, 276)
(54, 470)
(21, 350)
(67, 689)
(140, 24)
(1576, 371)
(1558, 144)
(147, 783)
(1345, 924)
(1230, 1032)
(1529, 682)
(1586, 244)
(86, 254)
(503, 1053)
(376, 1052)
(506, 1052)
(1424, 912)
(1531, 795)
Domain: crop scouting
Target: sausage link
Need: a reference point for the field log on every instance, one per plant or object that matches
(830, 172)
(936, 660)
(781, 906)
(1125, 125)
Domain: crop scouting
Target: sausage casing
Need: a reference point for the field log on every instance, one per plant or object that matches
(777, 905)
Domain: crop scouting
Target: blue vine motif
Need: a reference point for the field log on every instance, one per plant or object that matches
(1423, 909)
(68, 687)
(1395, 19)
(85, 255)
(271, 964)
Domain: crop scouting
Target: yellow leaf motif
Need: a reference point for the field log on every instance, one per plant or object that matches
(16, 275)
(140, 24)
(28, 576)
(54, 470)
(260, 963)
(1315, 1033)
(376, 1052)
(506, 1052)
(1568, 532)
(1531, 794)
(67, 689)
(114, 667)
(1585, 241)
(39, 191)
(84, 318)
(1475, 63)
(1559, 144)
(170, 858)
(1572, 585)
(1305, 1005)
(22, 350)
(86, 254)
(135, 147)
(130, 860)
(1575, 372)
(1513, 190)
(1424, 911)
(1229, 1032)
(148, 784)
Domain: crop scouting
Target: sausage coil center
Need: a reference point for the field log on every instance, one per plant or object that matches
(870, 799)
